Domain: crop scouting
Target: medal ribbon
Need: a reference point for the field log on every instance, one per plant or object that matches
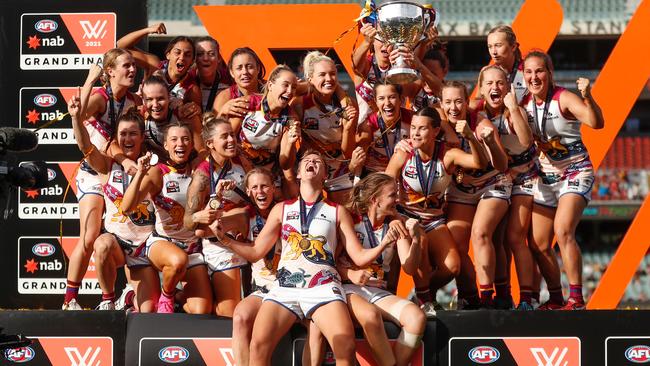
(396, 137)
(542, 127)
(425, 184)
(371, 234)
(111, 106)
(306, 218)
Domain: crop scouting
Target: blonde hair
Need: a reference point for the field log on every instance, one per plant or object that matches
(109, 61)
(458, 85)
(210, 122)
(311, 59)
(273, 76)
(258, 170)
(511, 37)
(366, 190)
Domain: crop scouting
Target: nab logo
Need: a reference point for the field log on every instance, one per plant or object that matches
(94, 31)
(20, 355)
(173, 354)
(45, 100)
(43, 249)
(638, 354)
(46, 26)
(484, 354)
(51, 174)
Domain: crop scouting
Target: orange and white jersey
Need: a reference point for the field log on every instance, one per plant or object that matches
(100, 129)
(557, 134)
(427, 204)
(384, 140)
(170, 206)
(308, 260)
(133, 229)
(232, 171)
(325, 133)
(261, 135)
(263, 271)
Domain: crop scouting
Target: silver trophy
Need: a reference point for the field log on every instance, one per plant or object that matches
(401, 23)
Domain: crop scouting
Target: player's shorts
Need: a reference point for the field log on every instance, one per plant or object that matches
(501, 188)
(524, 184)
(220, 258)
(88, 182)
(304, 301)
(549, 193)
(368, 293)
(193, 259)
(135, 256)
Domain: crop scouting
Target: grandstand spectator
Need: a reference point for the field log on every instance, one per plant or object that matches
(566, 177)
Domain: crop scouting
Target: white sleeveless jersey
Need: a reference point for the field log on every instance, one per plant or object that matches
(260, 138)
(559, 138)
(474, 179)
(263, 271)
(377, 269)
(431, 206)
(423, 99)
(231, 199)
(325, 134)
(100, 129)
(135, 228)
(170, 206)
(153, 130)
(378, 154)
(520, 158)
(308, 261)
(519, 83)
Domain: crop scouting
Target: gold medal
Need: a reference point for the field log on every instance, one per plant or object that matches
(214, 203)
(304, 244)
(459, 175)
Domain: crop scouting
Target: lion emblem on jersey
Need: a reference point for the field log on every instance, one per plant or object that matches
(311, 247)
(140, 216)
(553, 148)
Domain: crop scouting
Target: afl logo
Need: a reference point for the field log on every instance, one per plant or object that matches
(484, 354)
(46, 26)
(20, 355)
(173, 354)
(45, 100)
(51, 174)
(43, 249)
(638, 354)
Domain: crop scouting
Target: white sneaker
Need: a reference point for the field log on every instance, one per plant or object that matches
(429, 309)
(71, 305)
(120, 304)
(106, 305)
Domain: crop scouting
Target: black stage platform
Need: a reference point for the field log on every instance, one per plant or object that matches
(558, 338)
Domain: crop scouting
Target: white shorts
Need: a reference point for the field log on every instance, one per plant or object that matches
(368, 293)
(304, 301)
(88, 182)
(219, 258)
(548, 194)
(501, 188)
(193, 259)
(524, 185)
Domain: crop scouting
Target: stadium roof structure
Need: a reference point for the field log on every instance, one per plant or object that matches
(470, 17)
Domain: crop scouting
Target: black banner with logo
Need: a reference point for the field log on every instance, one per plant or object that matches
(47, 47)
